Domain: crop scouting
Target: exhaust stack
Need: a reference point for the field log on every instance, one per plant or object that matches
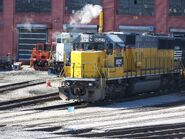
(100, 29)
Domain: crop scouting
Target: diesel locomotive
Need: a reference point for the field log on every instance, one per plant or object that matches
(61, 53)
(115, 65)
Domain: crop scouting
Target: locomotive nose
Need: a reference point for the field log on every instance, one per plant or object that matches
(79, 91)
(65, 95)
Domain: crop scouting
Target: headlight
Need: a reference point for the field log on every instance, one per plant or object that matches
(90, 84)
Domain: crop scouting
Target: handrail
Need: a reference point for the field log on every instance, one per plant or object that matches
(181, 65)
(98, 71)
(61, 74)
(93, 64)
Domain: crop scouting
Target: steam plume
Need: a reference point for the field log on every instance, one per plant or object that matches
(55, 34)
(27, 24)
(86, 14)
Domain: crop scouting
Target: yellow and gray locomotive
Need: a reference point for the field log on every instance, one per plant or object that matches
(109, 66)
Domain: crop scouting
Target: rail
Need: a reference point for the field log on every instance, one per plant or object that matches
(19, 103)
(19, 85)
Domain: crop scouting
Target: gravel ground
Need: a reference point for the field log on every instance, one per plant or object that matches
(42, 89)
(21, 123)
(26, 74)
(57, 122)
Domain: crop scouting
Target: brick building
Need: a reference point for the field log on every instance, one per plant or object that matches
(25, 22)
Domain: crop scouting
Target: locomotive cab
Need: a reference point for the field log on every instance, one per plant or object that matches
(114, 62)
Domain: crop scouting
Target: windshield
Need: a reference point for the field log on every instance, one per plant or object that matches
(115, 38)
(88, 46)
(120, 45)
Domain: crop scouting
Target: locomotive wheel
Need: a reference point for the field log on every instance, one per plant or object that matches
(8, 66)
(115, 92)
(35, 66)
(109, 91)
(41, 67)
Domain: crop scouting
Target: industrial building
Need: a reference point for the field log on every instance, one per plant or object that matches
(26, 22)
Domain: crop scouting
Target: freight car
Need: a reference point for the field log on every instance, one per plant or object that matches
(110, 66)
(40, 56)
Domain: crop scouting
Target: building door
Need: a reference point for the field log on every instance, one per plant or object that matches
(178, 32)
(27, 38)
(136, 29)
(80, 28)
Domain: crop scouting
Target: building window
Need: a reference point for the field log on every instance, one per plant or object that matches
(37, 6)
(177, 8)
(135, 7)
(1, 5)
(71, 6)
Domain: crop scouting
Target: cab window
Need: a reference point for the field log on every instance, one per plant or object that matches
(109, 49)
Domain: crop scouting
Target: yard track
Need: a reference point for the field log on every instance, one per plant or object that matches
(19, 85)
(152, 132)
(7, 105)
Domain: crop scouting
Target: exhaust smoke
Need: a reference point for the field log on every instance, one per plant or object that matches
(86, 14)
(27, 24)
(55, 34)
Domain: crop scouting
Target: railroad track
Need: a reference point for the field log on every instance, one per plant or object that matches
(77, 105)
(150, 132)
(138, 97)
(19, 85)
(55, 127)
(7, 105)
(55, 96)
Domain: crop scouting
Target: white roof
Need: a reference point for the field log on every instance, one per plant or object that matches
(115, 38)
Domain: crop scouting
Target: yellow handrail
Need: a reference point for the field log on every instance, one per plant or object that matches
(93, 64)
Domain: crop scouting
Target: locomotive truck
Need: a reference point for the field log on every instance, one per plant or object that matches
(110, 66)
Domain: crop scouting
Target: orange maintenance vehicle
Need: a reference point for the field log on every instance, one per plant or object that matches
(40, 56)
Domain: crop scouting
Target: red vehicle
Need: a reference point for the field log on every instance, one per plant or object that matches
(40, 56)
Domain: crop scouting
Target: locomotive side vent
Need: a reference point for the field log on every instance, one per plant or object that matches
(177, 53)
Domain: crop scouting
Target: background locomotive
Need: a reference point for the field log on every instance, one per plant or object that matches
(60, 55)
(109, 66)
